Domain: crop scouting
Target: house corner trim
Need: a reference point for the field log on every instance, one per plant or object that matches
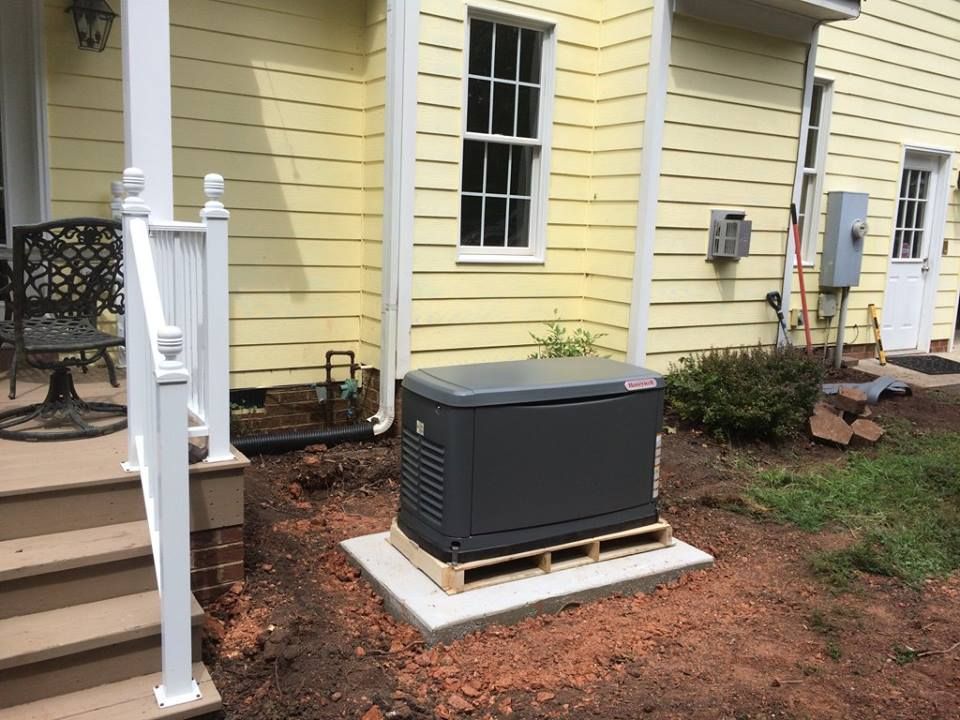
(403, 39)
(652, 156)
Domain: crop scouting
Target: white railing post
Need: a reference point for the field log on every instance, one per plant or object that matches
(216, 330)
(173, 489)
(138, 354)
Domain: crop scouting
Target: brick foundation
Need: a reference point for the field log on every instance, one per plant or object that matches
(293, 408)
(216, 561)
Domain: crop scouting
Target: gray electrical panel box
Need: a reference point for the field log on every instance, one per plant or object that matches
(729, 235)
(843, 239)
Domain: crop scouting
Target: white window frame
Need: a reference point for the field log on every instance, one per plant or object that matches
(811, 224)
(535, 252)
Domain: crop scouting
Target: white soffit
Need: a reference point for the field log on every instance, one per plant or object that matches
(793, 19)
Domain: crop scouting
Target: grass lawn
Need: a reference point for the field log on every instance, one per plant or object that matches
(900, 503)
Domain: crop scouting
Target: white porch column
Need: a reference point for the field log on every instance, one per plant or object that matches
(147, 128)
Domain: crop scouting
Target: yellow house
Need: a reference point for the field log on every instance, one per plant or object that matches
(468, 169)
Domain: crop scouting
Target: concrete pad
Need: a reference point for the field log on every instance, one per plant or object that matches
(872, 366)
(412, 597)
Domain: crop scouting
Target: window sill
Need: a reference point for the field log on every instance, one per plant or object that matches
(495, 259)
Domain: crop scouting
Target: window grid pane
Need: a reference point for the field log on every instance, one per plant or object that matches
(911, 214)
(503, 98)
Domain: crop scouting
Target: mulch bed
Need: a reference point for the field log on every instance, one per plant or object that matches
(756, 636)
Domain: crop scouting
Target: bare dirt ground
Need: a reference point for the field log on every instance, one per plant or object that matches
(758, 636)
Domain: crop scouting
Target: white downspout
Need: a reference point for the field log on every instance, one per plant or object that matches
(399, 142)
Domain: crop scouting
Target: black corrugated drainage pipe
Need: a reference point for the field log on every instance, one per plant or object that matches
(286, 441)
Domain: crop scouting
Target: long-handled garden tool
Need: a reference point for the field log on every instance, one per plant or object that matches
(775, 300)
(803, 288)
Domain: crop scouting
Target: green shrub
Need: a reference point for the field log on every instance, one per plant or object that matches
(754, 393)
(557, 343)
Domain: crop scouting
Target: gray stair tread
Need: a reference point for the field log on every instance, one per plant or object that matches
(130, 699)
(69, 630)
(24, 557)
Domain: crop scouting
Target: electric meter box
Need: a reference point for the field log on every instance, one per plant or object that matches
(509, 456)
(843, 239)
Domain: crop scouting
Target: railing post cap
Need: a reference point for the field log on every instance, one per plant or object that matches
(213, 186)
(170, 342)
(116, 188)
(213, 189)
(134, 183)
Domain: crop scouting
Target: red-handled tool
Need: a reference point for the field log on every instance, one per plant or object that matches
(803, 288)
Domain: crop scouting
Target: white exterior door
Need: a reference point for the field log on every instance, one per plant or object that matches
(915, 236)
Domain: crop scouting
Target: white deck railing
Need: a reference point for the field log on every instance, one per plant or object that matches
(177, 386)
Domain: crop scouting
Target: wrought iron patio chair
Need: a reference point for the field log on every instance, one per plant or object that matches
(66, 273)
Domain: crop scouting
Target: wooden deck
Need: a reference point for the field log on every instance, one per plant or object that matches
(31, 465)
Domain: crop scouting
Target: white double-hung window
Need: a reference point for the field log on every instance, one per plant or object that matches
(814, 151)
(505, 140)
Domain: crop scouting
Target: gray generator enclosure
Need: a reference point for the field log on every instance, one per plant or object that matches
(502, 457)
(843, 239)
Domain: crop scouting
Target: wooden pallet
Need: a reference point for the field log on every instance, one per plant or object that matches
(455, 578)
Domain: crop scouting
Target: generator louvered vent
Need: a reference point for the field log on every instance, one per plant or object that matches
(421, 477)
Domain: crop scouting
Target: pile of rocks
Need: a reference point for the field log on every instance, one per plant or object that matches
(843, 419)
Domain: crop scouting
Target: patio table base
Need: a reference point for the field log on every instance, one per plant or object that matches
(63, 415)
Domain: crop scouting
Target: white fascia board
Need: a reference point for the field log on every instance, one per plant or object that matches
(790, 19)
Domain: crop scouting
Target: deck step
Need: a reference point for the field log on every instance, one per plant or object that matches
(46, 572)
(77, 647)
(130, 699)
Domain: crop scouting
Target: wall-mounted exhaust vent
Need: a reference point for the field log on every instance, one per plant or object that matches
(729, 235)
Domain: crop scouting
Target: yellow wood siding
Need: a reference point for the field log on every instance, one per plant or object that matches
(730, 142)
(284, 98)
(372, 181)
(896, 81)
(485, 312)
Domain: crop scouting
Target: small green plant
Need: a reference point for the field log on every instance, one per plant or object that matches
(756, 393)
(834, 652)
(904, 655)
(558, 343)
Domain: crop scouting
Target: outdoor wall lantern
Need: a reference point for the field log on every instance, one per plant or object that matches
(92, 20)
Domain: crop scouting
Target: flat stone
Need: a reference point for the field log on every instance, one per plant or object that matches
(867, 430)
(851, 400)
(414, 598)
(830, 428)
(823, 408)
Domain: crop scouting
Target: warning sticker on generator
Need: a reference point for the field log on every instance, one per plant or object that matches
(640, 384)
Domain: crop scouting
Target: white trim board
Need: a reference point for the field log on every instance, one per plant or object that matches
(399, 168)
(789, 259)
(651, 161)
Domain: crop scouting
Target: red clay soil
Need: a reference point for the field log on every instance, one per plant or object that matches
(758, 636)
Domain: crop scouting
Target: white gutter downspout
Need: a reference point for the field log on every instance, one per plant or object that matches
(403, 18)
(652, 153)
